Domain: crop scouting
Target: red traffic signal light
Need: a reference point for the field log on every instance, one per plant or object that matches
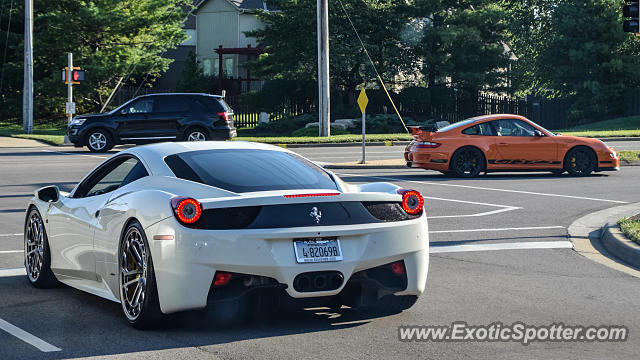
(77, 75)
(632, 11)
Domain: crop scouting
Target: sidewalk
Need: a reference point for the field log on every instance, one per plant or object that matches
(11, 142)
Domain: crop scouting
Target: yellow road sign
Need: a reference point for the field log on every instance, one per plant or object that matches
(363, 100)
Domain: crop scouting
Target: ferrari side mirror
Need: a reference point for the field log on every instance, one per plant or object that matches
(48, 194)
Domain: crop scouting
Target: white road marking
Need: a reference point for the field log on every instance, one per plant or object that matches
(504, 208)
(491, 189)
(13, 272)
(498, 229)
(68, 153)
(436, 249)
(27, 337)
(10, 251)
(20, 234)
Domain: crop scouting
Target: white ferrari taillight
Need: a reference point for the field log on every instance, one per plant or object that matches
(186, 210)
(412, 201)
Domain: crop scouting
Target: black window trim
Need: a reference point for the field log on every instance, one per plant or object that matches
(101, 169)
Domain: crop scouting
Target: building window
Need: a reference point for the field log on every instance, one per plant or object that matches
(191, 37)
(206, 67)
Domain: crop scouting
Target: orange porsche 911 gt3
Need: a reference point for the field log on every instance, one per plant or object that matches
(505, 143)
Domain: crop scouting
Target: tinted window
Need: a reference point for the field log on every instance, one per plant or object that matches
(136, 173)
(249, 170)
(513, 127)
(480, 129)
(171, 104)
(140, 106)
(212, 104)
(108, 178)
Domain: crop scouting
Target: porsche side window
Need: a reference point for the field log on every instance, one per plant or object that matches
(513, 127)
(480, 129)
(114, 175)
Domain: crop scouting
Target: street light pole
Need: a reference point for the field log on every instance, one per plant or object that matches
(324, 128)
(27, 94)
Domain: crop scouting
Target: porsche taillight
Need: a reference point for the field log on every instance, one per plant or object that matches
(186, 210)
(412, 201)
(428, 145)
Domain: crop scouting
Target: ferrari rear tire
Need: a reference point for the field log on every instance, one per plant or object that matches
(558, 171)
(580, 161)
(468, 162)
(138, 292)
(37, 255)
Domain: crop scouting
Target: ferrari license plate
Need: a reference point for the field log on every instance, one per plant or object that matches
(313, 250)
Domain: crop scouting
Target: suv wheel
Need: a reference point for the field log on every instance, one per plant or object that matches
(197, 134)
(99, 140)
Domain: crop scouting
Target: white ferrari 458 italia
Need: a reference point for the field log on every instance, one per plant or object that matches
(171, 227)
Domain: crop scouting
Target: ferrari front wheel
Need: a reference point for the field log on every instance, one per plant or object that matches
(467, 162)
(138, 292)
(580, 161)
(37, 255)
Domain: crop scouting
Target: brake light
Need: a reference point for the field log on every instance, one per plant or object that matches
(412, 201)
(398, 267)
(428, 145)
(186, 210)
(221, 278)
(224, 115)
(311, 195)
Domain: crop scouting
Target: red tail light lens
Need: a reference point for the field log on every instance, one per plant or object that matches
(412, 201)
(221, 278)
(427, 145)
(224, 115)
(398, 268)
(187, 210)
(310, 195)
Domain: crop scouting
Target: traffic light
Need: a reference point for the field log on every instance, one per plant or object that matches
(630, 13)
(77, 75)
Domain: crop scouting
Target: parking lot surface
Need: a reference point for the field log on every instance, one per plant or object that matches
(500, 253)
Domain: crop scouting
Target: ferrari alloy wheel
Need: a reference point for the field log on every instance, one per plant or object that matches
(467, 162)
(580, 161)
(196, 134)
(37, 259)
(99, 141)
(138, 293)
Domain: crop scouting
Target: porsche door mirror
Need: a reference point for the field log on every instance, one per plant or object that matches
(538, 133)
(49, 194)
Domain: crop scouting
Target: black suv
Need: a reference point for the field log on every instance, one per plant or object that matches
(153, 118)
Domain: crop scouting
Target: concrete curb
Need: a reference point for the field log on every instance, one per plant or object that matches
(349, 144)
(586, 233)
(630, 138)
(619, 246)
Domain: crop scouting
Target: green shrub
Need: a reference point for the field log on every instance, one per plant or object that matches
(383, 124)
(313, 131)
(284, 126)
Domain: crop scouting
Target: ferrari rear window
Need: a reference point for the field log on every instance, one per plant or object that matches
(248, 170)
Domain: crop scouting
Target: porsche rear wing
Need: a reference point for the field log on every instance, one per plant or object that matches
(423, 133)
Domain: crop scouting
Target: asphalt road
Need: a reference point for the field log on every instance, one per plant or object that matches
(534, 286)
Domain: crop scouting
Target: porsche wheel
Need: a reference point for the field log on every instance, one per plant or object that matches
(467, 162)
(37, 256)
(138, 293)
(580, 161)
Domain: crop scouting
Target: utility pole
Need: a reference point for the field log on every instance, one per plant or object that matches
(69, 88)
(324, 128)
(27, 94)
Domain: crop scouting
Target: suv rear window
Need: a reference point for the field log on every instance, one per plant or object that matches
(248, 170)
(213, 104)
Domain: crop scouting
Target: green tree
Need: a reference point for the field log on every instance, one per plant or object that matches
(462, 44)
(116, 42)
(192, 78)
(575, 50)
(291, 34)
